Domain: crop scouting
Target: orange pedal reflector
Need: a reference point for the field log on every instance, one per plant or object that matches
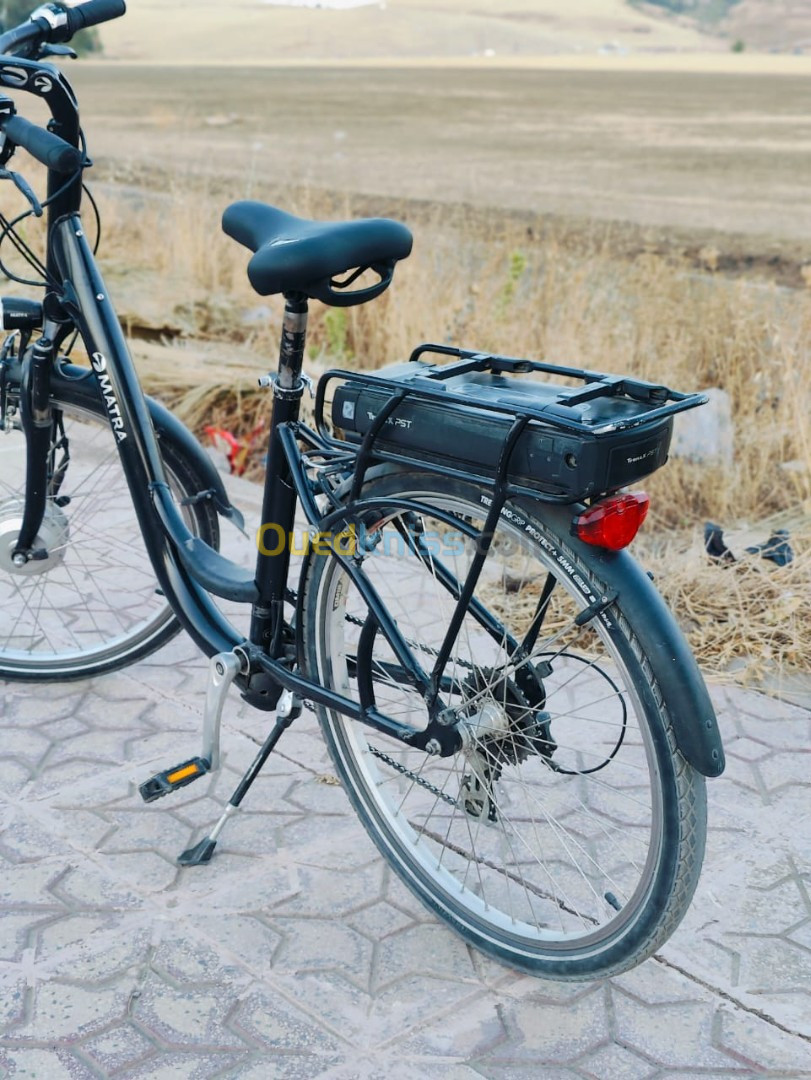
(181, 774)
(171, 779)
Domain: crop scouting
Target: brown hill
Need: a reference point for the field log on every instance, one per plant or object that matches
(759, 25)
(255, 31)
(766, 25)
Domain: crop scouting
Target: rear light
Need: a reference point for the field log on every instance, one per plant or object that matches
(613, 522)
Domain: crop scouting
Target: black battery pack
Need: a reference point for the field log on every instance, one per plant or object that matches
(578, 442)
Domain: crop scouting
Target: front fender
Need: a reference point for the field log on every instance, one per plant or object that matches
(169, 427)
(70, 383)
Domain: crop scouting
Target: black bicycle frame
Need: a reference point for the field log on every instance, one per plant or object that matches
(85, 299)
(78, 296)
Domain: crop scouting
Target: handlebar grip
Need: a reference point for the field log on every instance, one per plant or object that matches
(93, 12)
(46, 147)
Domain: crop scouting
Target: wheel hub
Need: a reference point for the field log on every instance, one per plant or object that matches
(503, 726)
(502, 729)
(51, 539)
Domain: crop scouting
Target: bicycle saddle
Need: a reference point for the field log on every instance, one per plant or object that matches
(296, 255)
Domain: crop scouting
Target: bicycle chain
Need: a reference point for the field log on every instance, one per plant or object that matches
(432, 788)
(412, 776)
(415, 644)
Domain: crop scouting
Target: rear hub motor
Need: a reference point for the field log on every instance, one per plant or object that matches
(501, 728)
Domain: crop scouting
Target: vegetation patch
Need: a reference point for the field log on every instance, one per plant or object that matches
(567, 298)
(704, 11)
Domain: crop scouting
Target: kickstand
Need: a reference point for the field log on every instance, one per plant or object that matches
(289, 708)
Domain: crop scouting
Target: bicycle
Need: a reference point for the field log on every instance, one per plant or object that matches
(508, 703)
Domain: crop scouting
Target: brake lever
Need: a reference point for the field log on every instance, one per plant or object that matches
(22, 185)
(56, 50)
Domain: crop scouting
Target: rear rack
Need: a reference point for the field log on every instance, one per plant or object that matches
(556, 443)
(558, 413)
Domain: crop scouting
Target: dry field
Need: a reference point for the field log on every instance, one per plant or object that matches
(257, 32)
(673, 152)
(642, 222)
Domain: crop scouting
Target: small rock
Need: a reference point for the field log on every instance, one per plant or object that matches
(260, 314)
(706, 434)
(708, 257)
(796, 465)
(222, 119)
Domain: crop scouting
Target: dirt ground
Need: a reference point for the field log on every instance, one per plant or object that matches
(687, 160)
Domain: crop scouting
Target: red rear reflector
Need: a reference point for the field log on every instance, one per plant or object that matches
(613, 522)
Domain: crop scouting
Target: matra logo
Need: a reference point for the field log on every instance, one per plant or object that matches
(99, 362)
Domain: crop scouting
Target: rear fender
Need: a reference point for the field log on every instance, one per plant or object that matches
(672, 663)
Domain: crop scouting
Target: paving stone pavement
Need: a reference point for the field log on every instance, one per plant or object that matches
(296, 953)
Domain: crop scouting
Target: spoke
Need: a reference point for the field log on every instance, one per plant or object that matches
(560, 831)
(587, 719)
(465, 855)
(509, 874)
(614, 829)
(510, 667)
(24, 610)
(592, 779)
(579, 670)
(98, 589)
(546, 869)
(553, 845)
(501, 819)
(504, 818)
(605, 757)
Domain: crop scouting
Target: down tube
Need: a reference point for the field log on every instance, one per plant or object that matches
(85, 298)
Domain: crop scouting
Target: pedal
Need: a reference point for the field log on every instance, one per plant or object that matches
(163, 783)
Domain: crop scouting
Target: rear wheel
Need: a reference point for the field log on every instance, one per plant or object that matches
(93, 605)
(566, 838)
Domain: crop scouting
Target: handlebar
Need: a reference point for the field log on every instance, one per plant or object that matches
(93, 12)
(46, 147)
(56, 23)
(60, 148)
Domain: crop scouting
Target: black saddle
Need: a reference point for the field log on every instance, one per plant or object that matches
(294, 255)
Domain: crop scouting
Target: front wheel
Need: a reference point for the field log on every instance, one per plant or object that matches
(93, 604)
(566, 838)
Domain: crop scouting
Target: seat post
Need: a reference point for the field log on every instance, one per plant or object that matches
(279, 502)
(294, 336)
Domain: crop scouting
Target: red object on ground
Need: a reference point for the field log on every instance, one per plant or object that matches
(236, 450)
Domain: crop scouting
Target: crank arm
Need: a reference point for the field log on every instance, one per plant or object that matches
(222, 670)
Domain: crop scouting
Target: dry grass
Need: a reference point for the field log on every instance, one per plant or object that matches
(567, 298)
(749, 619)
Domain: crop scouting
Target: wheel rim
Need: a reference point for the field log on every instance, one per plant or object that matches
(95, 597)
(566, 849)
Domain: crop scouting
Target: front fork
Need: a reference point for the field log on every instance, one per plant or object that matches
(37, 422)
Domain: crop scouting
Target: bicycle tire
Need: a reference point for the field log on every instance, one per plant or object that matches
(515, 887)
(94, 605)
